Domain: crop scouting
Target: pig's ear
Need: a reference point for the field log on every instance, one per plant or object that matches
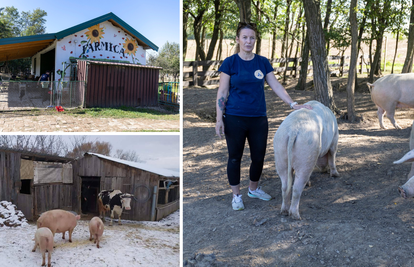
(409, 157)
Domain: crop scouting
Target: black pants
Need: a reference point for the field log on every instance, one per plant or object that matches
(237, 129)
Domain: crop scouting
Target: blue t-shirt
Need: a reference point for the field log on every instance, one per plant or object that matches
(246, 92)
(44, 77)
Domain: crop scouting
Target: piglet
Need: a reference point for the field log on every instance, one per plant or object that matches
(96, 228)
(44, 239)
(58, 221)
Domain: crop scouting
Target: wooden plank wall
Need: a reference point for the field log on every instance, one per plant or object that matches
(127, 179)
(25, 204)
(52, 196)
(9, 176)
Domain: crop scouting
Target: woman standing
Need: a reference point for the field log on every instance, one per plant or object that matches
(241, 97)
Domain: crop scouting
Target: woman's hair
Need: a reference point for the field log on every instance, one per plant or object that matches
(241, 26)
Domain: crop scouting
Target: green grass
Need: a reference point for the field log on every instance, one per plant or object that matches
(117, 113)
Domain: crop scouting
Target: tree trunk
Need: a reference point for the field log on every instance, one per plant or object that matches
(216, 29)
(321, 73)
(350, 88)
(377, 58)
(304, 66)
(274, 34)
(258, 37)
(408, 63)
(326, 24)
(200, 54)
(220, 46)
(244, 10)
(185, 20)
(285, 35)
(396, 49)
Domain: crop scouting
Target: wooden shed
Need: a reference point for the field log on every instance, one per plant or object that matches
(111, 84)
(156, 191)
(36, 182)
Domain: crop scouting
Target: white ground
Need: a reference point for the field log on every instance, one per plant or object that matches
(131, 244)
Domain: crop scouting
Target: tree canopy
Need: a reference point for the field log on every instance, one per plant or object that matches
(168, 58)
(15, 24)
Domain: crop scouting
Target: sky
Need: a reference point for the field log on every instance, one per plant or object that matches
(162, 151)
(157, 20)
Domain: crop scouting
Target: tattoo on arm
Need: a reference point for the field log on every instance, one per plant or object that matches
(222, 103)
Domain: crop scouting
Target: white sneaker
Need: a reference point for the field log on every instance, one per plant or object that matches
(259, 193)
(237, 202)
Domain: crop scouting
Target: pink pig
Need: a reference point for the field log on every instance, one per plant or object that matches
(44, 239)
(58, 221)
(96, 228)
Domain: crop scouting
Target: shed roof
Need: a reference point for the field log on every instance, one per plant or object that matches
(27, 46)
(141, 166)
(97, 62)
(36, 155)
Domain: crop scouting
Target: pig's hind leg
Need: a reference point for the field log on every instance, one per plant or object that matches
(390, 112)
(35, 246)
(301, 178)
(286, 189)
(381, 113)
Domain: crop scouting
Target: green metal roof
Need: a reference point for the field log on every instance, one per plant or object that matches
(24, 39)
(142, 40)
(112, 17)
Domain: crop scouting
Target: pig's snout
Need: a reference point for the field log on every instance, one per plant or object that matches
(402, 192)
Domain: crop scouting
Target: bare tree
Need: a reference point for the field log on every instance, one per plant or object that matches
(81, 145)
(130, 155)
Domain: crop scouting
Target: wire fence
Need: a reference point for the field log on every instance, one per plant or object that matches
(31, 94)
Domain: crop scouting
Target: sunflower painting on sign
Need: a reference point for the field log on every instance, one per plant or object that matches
(104, 42)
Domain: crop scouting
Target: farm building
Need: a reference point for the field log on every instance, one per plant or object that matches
(37, 182)
(98, 63)
(156, 190)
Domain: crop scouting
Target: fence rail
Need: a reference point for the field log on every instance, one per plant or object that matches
(287, 67)
(31, 94)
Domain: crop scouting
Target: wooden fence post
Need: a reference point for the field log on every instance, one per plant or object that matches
(195, 69)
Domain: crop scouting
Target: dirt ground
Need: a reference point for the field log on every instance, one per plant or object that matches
(357, 219)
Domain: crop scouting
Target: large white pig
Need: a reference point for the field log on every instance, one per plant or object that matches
(44, 240)
(58, 221)
(390, 92)
(306, 138)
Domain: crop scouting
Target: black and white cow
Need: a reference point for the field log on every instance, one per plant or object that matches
(114, 201)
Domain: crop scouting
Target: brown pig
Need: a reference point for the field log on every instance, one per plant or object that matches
(96, 228)
(58, 221)
(390, 92)
(44, 239)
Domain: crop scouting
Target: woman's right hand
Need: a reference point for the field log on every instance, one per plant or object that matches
(220, 128)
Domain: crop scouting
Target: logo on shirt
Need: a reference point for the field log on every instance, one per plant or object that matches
(259, 74)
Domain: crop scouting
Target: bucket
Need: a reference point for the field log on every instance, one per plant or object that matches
(45, 84)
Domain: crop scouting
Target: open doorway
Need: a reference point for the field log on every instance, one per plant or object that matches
(89, 194)
(47, 62)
